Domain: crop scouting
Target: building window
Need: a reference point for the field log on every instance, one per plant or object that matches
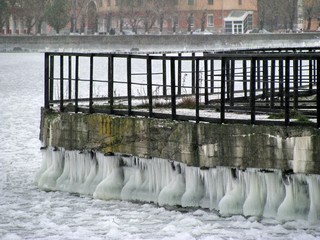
(240, 2)
(191, 20)
(210, 2)
(118, 2)
(109, 3)
(210, 20)
(190, 2)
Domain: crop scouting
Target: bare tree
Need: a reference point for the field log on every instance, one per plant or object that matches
(78, 15)
(137, 13)
(277, 14)
(33, 12)
(311, 10)
(58, 14)
(264, 10)
(149, 14)
(132, 13)
(292, 13)
(3, 13)
(165, 10)
(13, 10)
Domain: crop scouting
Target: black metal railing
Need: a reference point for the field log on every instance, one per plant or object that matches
(223, 87)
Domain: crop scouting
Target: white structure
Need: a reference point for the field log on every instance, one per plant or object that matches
(238, 22)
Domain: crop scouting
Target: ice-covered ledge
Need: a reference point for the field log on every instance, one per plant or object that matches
(230, 191)
(198, 145)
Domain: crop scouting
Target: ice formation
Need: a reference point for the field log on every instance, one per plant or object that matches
(252, 192)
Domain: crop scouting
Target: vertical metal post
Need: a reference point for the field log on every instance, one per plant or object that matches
(149, 84)
(51, 76)
(245, 78)
(273, 78)
(300, 72)
(227, 72)
(129, 86)
(197, 90)
(46, 81)
(253, 72)
(193, 71)
(287, 92)
(91, 85)
(258, 74)
(179, 73)
(223, 90)
(295, 82)
(310, 75)
(232, 80)
(206, 87)
(164, 75)
(212, 75)
(281, 77)
(70, 77)
(314, 71)
(318, 92)
(173, 88)
(76, 95)
(265, 84)
(61, 83)
(110, 82)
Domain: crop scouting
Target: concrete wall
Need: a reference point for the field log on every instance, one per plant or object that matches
(157, 42)
(201, 145)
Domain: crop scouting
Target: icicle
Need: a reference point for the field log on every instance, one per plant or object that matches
(210, 185)
(89, 186)
(54, 169)
(104, 167)
(229, 191)
(76, 170)
(275, 193)
(171, 194)
(314, 190)
(194, 188)
(205, 202)
(232, 202)
(224, 182)
(110, 188)
(46, 162)
(296, 202)
(109, 180)
(256, 198)
(133, 179)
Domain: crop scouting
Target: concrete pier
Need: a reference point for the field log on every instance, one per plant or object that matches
(202, 145)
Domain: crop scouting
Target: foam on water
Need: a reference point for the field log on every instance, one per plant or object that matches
(229, 191)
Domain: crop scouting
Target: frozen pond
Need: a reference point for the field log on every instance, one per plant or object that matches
(29, 213)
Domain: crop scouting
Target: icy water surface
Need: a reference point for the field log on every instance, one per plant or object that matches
(28, 213)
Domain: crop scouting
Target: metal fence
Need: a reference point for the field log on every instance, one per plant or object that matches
(267, 86)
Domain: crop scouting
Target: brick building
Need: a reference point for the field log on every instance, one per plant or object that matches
(180, 16)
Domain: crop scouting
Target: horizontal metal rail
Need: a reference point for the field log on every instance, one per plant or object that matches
(221, 87)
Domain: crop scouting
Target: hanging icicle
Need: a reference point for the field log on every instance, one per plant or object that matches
(230, 191)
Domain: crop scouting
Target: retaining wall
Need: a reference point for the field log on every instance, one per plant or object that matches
(200, 145)
(156, 42)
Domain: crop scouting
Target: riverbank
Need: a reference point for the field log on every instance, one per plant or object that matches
(153, 43)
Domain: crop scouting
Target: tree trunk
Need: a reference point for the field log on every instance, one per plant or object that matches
(39, 25)
(309, 23)
(203, 22)
(161, 23)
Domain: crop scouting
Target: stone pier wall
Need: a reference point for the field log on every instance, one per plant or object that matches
(201, 145)
(152, 43)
